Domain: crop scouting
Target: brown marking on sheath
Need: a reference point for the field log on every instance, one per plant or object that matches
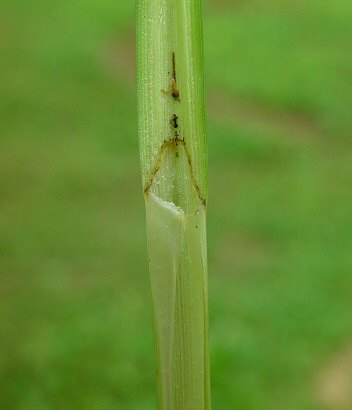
(169, 143)
(174, 91)
(173, 66)
(173, 121)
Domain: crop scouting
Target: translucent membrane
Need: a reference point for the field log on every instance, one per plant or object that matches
(178, 272)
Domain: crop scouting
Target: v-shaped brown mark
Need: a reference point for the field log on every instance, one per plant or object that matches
(166, 144)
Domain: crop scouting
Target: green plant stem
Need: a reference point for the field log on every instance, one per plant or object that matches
(173, 151)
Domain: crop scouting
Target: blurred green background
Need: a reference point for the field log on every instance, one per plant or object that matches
(75, 309)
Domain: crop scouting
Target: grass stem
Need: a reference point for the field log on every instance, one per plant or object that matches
(173, 150)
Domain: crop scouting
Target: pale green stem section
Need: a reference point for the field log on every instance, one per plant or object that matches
(174, 172)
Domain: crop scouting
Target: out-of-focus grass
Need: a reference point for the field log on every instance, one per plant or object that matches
(75, 321)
